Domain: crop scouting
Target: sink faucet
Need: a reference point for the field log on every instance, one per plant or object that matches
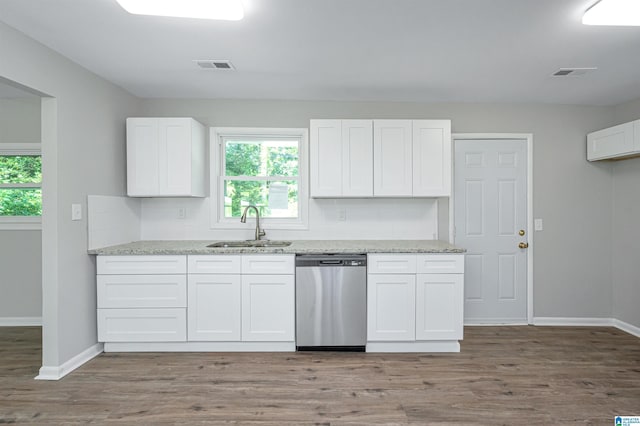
(243, 219)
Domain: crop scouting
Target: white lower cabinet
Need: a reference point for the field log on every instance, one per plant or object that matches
(201, 303)
(418, 308)
(142, 298)
(391, 307)
(214, 307)
(438, 306)
(252, 301)
(268, 308)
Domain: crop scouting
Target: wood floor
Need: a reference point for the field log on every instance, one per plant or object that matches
(504, 375)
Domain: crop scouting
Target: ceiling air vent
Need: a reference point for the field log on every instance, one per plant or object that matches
(214, 64)
(573, 72)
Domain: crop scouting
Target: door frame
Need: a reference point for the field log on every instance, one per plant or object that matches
(528, 137)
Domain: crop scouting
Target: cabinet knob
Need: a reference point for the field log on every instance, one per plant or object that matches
(523, 245)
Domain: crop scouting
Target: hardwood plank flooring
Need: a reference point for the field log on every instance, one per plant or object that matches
(504, 375)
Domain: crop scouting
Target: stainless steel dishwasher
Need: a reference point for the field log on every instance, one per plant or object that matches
(331, 302)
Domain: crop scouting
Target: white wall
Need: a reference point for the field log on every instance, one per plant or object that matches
(572, 270)
(85, 155)
(20, 251)
(626, 228)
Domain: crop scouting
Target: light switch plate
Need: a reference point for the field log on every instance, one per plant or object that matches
(537, 224)
(76, 211)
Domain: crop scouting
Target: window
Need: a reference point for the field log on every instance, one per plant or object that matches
(265, 168)
(20, 186)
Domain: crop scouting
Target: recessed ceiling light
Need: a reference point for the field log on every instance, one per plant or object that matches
(230, 10)
(613, 12)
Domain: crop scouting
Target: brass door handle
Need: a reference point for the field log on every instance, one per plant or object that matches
(523, 245)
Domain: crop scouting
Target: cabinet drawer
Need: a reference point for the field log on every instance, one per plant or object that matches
(440, 264)
(213, 264)
(142, 291)
(268, 264)
(391, 264)
(133, 265)
(142, 325)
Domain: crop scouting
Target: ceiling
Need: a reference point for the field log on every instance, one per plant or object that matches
(366, 50)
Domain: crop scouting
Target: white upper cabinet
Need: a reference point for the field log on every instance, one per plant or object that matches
(341, 158)
(392, 147)
(380, 158)
(431, 158)
(165, 157)
(622, 141)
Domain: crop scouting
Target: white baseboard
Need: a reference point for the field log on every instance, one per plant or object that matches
(631, 329)
(57, 373)
(571, 322)
(20, 321)
(490, 322)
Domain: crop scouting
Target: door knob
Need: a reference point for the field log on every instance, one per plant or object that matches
(523, 245)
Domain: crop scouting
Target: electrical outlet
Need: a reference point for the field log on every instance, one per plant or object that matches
(537, 224)
(182, 213)
(342, 215)
(76, 211)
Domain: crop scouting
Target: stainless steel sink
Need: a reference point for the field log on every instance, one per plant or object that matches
(250, 243)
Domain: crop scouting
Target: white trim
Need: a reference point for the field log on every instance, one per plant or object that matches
(20, 321)
(200, 347)
(430, 346)
(215, 183)
(20, 149)
(57, 373)
(528, 137)
(626, 327)
(490, 322)
(573, 322)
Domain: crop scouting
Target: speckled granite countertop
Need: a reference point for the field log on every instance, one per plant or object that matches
(296, 247)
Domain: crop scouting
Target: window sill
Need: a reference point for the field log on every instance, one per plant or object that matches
(20, 223)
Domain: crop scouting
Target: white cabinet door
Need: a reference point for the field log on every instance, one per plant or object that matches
(174, 155)
(439, 300)
(214, 307)
(268, 308)
(392, 170)
(165, 157)
(431, 158)
(391, 304)
(357, 158)
(142, 157)
(613, 142)
(326, 158)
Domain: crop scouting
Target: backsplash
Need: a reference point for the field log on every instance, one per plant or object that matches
(363, 219)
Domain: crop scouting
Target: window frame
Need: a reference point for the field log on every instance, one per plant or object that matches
(216, 161)
(13, 223)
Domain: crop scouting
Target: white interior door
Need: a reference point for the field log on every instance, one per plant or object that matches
(491, 222)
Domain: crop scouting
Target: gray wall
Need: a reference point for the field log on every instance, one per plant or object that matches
(20, 120)
(20, 251)
(85, 155)
(21, 278)
(626, 228)
(572, 269)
